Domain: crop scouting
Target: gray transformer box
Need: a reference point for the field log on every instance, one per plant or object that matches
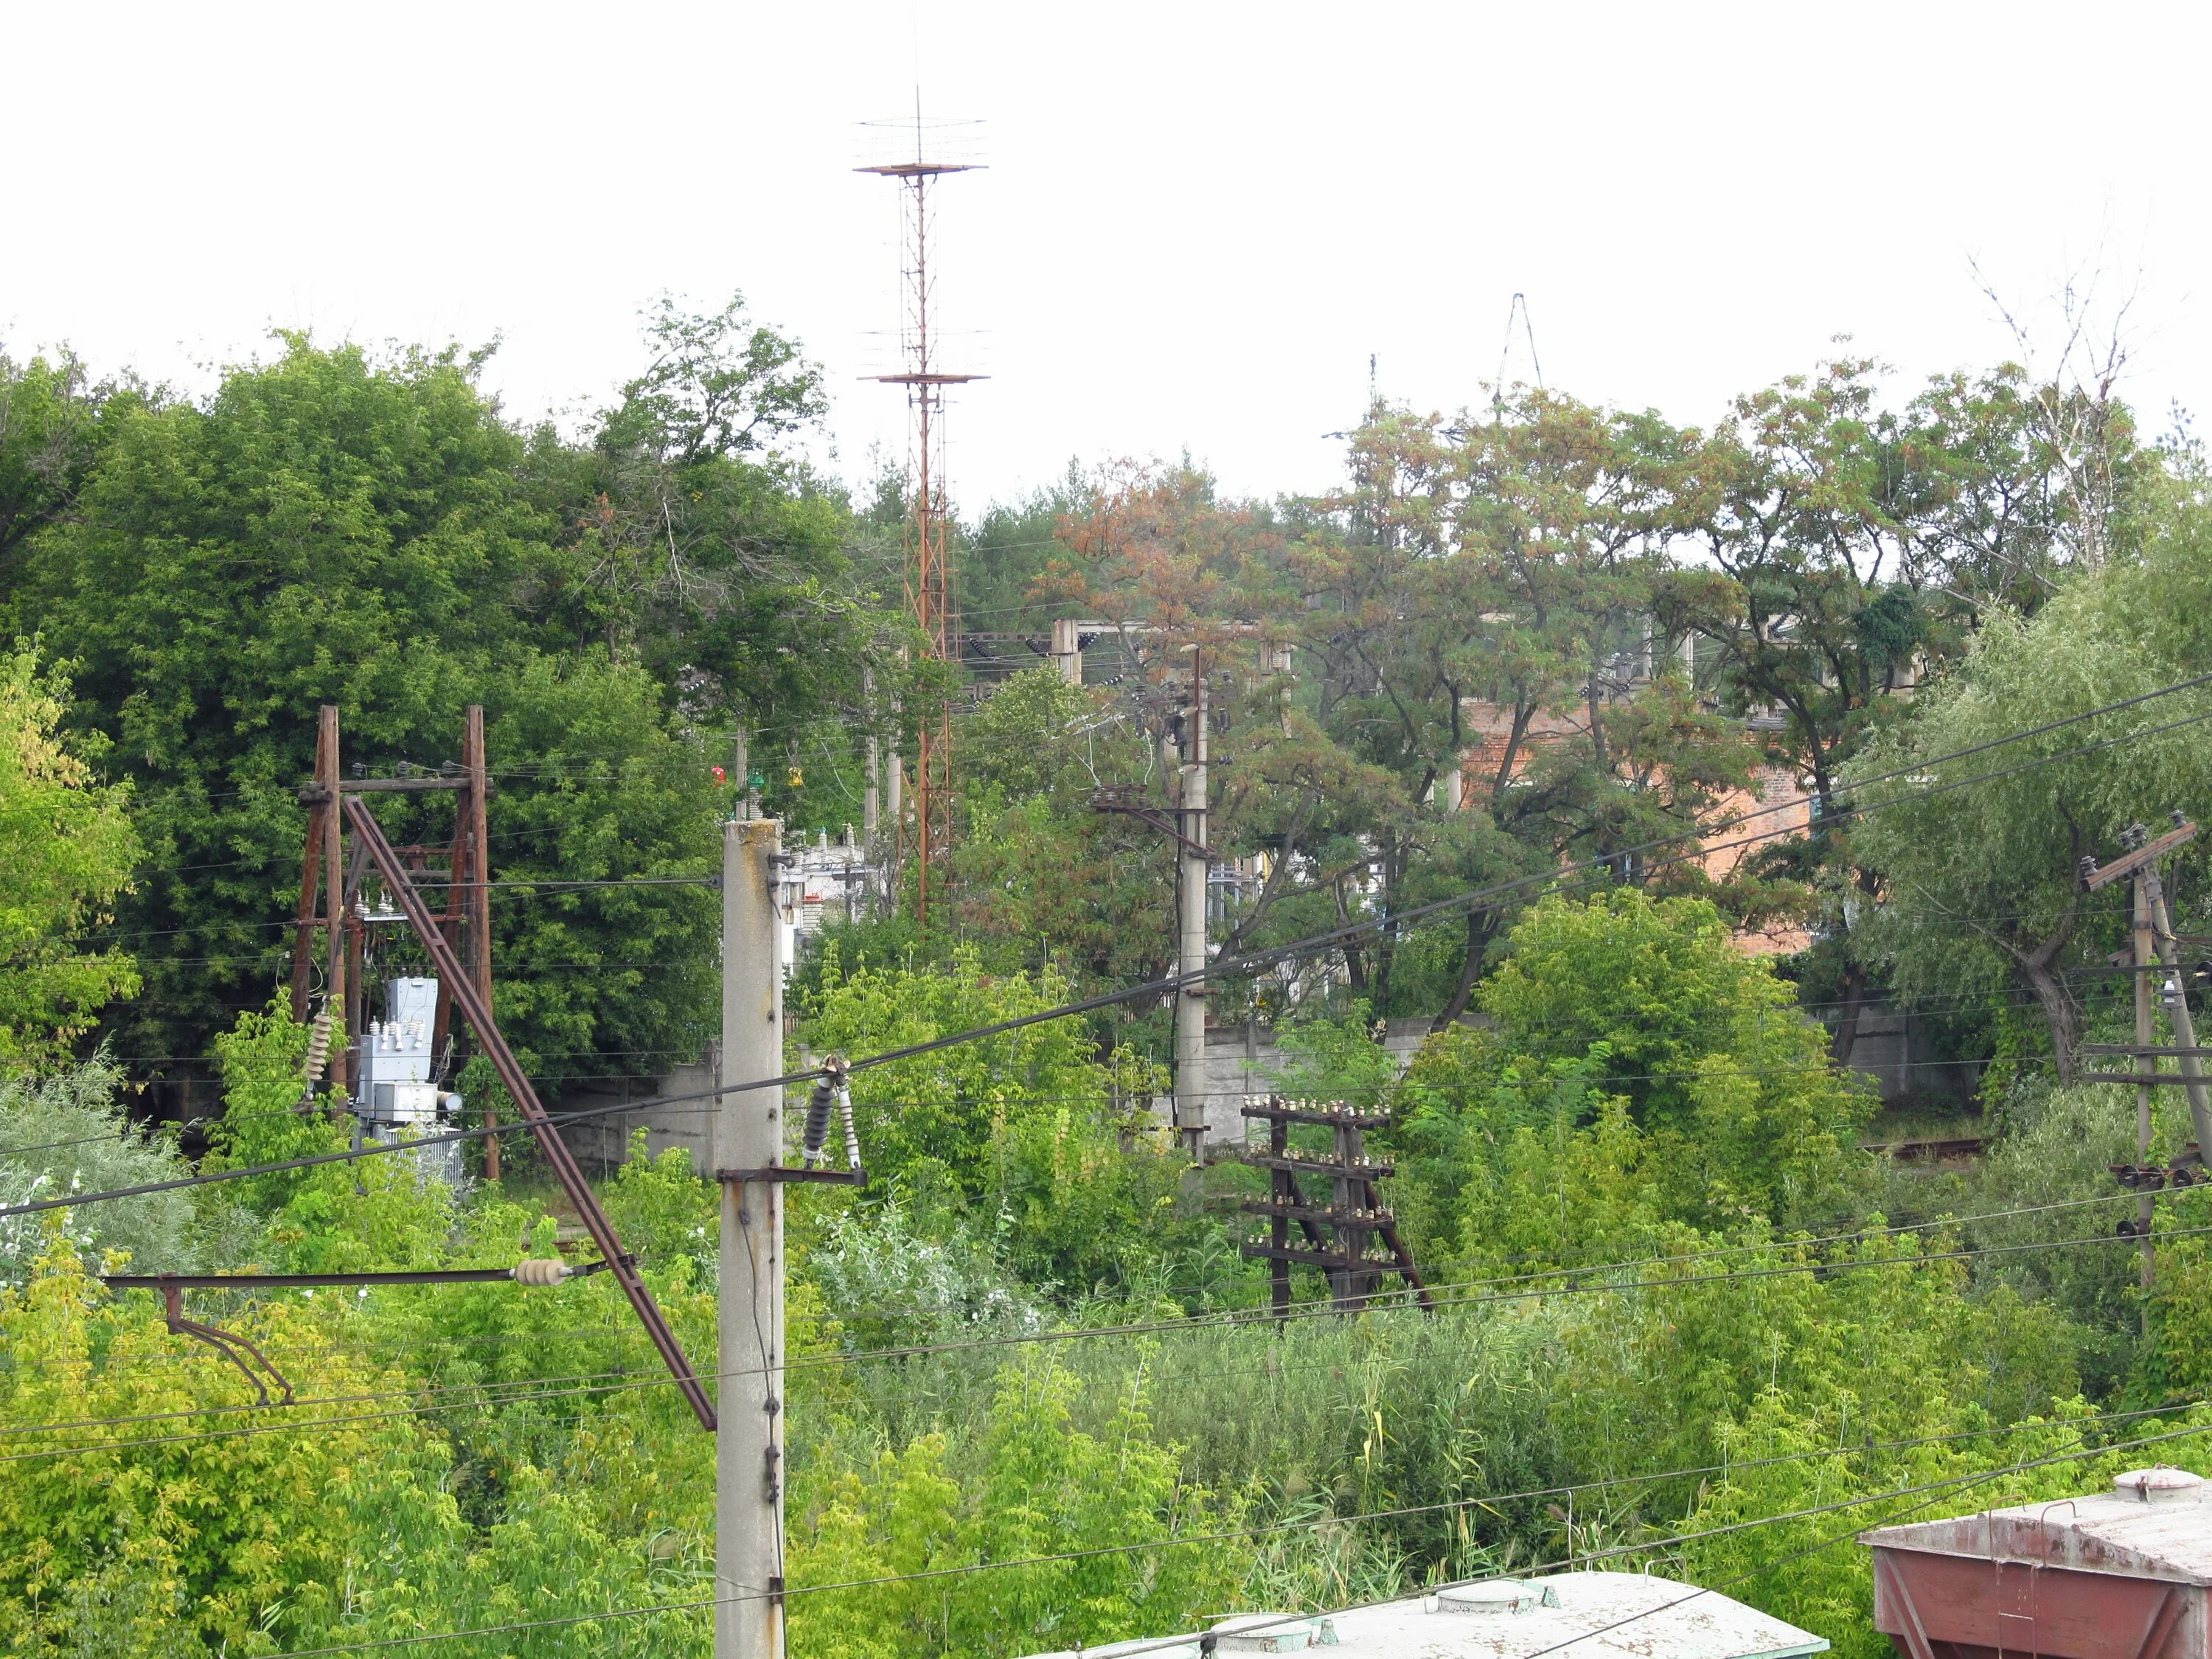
(399, 1099)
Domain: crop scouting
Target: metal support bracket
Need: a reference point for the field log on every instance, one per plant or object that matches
(1129, 798)
(782, 1176)
(226, 1343)
(476, 1009)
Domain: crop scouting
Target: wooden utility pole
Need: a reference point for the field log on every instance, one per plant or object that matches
(2177, 1009)
(2146, 1207)
(2156, 951)
(464, 924)
(334, 896)
(748, 1148)
(1194, 863)
(477, 906)
(321, 828)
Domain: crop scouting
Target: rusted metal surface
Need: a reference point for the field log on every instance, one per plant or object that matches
(1955, 1606)
(2121, 1574)
(231, 1345)
(1930, 1148)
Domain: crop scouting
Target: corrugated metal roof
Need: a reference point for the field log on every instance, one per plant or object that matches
(2156, 1523)
(1667, 1620)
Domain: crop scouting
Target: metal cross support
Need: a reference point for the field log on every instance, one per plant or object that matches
(1352, 1211)
(782, 1175)
(476, 1010)
(1129, 798)
(229, 1345)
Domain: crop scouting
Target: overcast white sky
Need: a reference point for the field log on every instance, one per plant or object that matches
(1197, 222)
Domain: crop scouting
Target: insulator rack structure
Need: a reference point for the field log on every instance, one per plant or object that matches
(1354, 1213)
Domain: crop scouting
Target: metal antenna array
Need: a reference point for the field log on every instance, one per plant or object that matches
(929, 538)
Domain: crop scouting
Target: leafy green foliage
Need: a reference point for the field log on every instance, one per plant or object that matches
(68, 1132)
(1981, 883)
(54, 417)
(1030, 1484)
(369, 1214)
(67, 848)
(1632, 1097)
(221, 1533)
(1642, 1074)
(328, 528)
(1034, 1135)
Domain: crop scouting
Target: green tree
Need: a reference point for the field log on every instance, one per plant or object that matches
(1642, 1073)
(54, 417)
(1980, 879)
(67, 1132)
(697, 542)
(329, 529)
(68, 848)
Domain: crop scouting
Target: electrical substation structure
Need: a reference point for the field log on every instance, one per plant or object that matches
(1354, 1211)
(391, 1074)
(929, 587)
(416, 1037)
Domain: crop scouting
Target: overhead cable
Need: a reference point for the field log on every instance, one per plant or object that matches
(1216, 969)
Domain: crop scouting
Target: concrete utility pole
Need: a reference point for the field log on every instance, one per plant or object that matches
(871, 796)
(1067, 648)
(749, 1137)
(1190, 953)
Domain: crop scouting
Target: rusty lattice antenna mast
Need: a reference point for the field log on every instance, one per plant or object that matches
(929, 538)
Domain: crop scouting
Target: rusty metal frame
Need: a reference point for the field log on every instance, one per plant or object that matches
(226, 1343)
(475, 1009)
(784, 1173)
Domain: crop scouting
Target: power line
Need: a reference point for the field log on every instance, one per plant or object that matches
(1938, 1489)
(1255, 1317)
(257, 1282)
(1160, 987)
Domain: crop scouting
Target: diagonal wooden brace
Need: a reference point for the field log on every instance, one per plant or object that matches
(474, 1009)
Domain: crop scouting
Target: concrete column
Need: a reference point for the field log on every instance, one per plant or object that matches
(748, 1135)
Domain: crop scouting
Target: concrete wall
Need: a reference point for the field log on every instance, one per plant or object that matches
(1244, 1060)
(1896, 1051)
(603, 1142)
(1241, 1061)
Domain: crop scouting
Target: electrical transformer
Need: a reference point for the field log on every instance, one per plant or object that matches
(401, 1094)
